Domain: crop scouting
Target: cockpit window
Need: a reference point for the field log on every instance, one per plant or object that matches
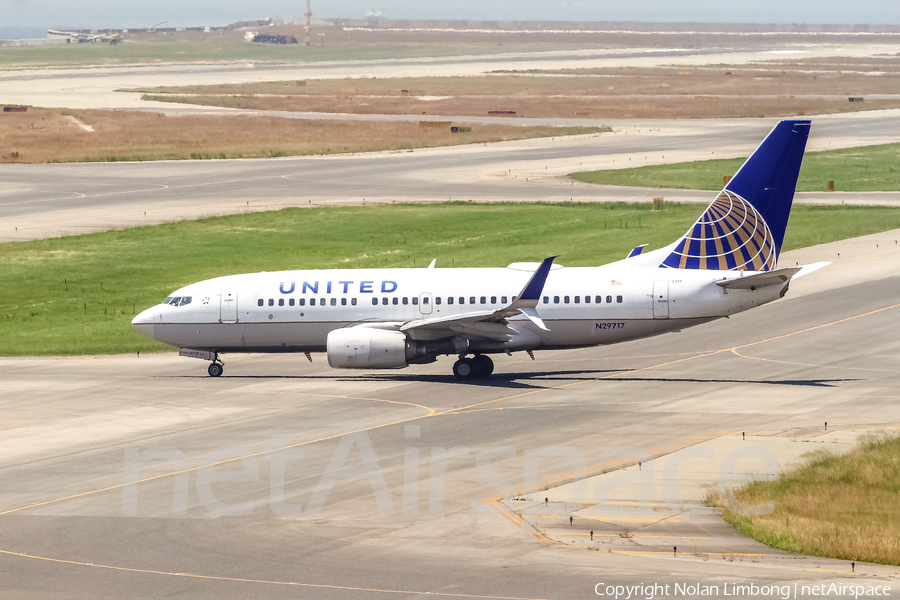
(177, 300)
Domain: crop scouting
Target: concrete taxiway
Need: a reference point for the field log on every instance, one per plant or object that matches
(142, 477)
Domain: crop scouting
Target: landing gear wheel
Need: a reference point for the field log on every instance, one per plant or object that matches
(483, 365)
(215, 369)
(464, 369)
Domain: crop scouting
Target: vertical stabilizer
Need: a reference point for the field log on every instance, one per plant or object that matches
(744, 226)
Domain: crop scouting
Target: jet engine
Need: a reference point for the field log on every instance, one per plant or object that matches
(367, 348)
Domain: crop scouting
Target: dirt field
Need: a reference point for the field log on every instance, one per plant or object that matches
(765, 89)
(55, 135)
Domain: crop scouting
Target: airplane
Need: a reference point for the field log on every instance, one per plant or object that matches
(83, 38)
(724, 264)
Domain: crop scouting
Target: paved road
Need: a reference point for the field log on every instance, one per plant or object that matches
(373, 484)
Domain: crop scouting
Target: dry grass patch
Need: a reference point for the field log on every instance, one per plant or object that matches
(48, 135)
(764, 89)
(845, 507)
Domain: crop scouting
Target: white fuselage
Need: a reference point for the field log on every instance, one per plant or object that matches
(291, 311)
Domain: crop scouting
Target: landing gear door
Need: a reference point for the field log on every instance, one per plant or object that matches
(660, 299)
(228, 309)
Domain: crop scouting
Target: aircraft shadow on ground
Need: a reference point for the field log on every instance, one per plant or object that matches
(539, 379)
(522, 380)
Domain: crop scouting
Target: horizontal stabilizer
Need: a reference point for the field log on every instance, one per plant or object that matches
(807, 269)
(758, 280)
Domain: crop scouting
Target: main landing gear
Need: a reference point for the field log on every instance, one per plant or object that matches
(216, 367)
(476, 367)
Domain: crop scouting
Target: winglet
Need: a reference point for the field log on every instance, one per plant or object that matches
(532, 290)
(636, 250)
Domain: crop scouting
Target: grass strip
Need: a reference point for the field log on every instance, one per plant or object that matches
(77, 295)
(845, 507)
(860, 169)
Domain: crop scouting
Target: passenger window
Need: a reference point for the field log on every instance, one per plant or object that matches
(471, 299)
(271, 302)
(291, 301)
(503, 300)
(260, 302)
(462, 300)
(566, 299)
(384, 301)
(609, 299)
(301, 302)
(415, 301)
(437, 300)
(619, 299)
(353, 301)
(449, 299)
(343, 302)
(555, 299)
(395, 301)
(546, 299)
(577, 299)
(493, 299)
(334, 301)
(598, 299)
(281, 302)
(587, 299)
(374, 301)
(405, 301)
(425, 300)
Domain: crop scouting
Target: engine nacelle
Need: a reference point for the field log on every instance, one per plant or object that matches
(367, 348)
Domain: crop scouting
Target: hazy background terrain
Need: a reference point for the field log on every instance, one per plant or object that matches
(35, 15)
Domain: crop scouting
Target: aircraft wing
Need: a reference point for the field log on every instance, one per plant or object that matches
(492, 324)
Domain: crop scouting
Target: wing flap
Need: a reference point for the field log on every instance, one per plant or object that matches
(492, 323)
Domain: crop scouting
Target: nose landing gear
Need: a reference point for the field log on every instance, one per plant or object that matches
(476, 367)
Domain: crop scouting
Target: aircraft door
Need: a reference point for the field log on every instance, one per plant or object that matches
(228, 306)
(425, 303)
(660, 299)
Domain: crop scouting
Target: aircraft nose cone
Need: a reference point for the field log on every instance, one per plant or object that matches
(143, 322)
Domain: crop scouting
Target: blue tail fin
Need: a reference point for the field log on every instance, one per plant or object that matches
(744, 227)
